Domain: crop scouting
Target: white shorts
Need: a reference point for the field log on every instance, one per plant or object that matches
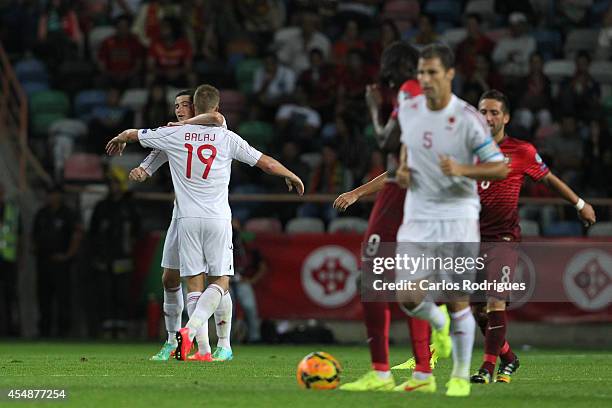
(205, 246)
(439, 239)
(170, 255)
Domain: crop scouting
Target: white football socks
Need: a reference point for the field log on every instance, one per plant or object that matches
(462, 330)
(223, 321)
(202, 333)
(173, 310)
(206, 306)
(428, 311)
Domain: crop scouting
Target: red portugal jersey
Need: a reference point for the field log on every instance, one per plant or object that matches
(499, 199)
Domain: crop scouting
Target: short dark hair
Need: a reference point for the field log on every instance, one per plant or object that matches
(399, 54)
(498, 96)
(186, 92)
(441, 51)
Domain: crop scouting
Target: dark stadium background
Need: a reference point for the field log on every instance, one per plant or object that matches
(60, 104)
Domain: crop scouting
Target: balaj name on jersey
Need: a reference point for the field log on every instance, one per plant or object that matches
(199, 137)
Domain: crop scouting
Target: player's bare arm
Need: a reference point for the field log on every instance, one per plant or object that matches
(272, 166)
(402, 175)
(586, 213)
(117, 144)
(387, 135)
(481, 171)
(209, 118)
(345, 200)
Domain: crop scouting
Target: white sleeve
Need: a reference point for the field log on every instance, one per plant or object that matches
(481, 142)
(242, 151)
(154, 161)
(157, 138)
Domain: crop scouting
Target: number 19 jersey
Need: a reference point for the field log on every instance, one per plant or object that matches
(200, 159)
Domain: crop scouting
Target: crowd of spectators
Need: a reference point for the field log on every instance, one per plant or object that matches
(292, 75)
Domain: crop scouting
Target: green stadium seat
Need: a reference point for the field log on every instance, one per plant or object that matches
(258, 134)
(245, 72)
(49, 101)
(41, 122)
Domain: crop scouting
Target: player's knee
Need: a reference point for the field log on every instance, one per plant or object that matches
(171, 278)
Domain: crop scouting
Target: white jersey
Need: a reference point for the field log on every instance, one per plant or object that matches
(458, 131)
(156, 159)
(200, 160)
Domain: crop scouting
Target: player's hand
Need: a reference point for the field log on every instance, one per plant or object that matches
(345, 200)
(449, 167)
(296, 182)
(402, 175)
(373, 96)
(138, 174)
(116, 145)
(587, 215)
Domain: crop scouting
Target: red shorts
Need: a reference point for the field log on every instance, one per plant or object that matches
(386, 216)
(500, 265)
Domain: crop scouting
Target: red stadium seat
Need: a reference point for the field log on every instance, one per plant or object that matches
(83, 167)
(263, 225)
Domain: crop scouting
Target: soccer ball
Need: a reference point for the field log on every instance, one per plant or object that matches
(319, 371)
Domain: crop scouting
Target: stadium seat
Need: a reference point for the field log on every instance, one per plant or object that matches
(444, 10)
(581, 39)
(453, 36)
(49, 101)
(31, 70)
(601, 71)
(557, 70)
(529, 228)
(97, 35)
(484, 8)
(135, 98)
(304, 224)
(404, 13)
(263, 224)
(549, 43)
(41, 122)
(257, 133)
(497, 34)
(245, 72)
(563, 229)
(83, 167)
(31, 88)
(601, 229)
(348, 224)
(85, 101)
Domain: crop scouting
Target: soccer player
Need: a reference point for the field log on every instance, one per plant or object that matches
(200, 162)
(173, 293)
(442, 137)
(398, 68)
(499, 222)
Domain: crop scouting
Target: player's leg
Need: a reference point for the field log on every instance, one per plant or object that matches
(246, 297)
(462, 336)
(223, 326)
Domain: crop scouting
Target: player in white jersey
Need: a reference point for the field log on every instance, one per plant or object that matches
(171, 282)
(446, 146)
(200, 163)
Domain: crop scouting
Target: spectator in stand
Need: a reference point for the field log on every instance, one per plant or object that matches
(297, 121)
(249, 268)
(109, 119)
(604, 41)
(511, 54)
(262, 18)
(157, 110)
(598, 159)
(566, 150)
(572, 13)
(273, 84)
(124, 7)
(296, 43)
(352, 81)
(56, 236)
(476, 43)
(482, 79)
(148, 22)
(201, 30)
(536, 93)
(59, 34)
(376, 166)
(171, 57)
(349, 40)
(581, 94)
(319, 83)
(329, 177)
(426, 33)
(121, 57)
(389, 33)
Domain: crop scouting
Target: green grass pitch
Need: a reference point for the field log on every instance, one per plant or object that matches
(119, 375)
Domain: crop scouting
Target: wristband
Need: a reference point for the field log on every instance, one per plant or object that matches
(580, 204)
